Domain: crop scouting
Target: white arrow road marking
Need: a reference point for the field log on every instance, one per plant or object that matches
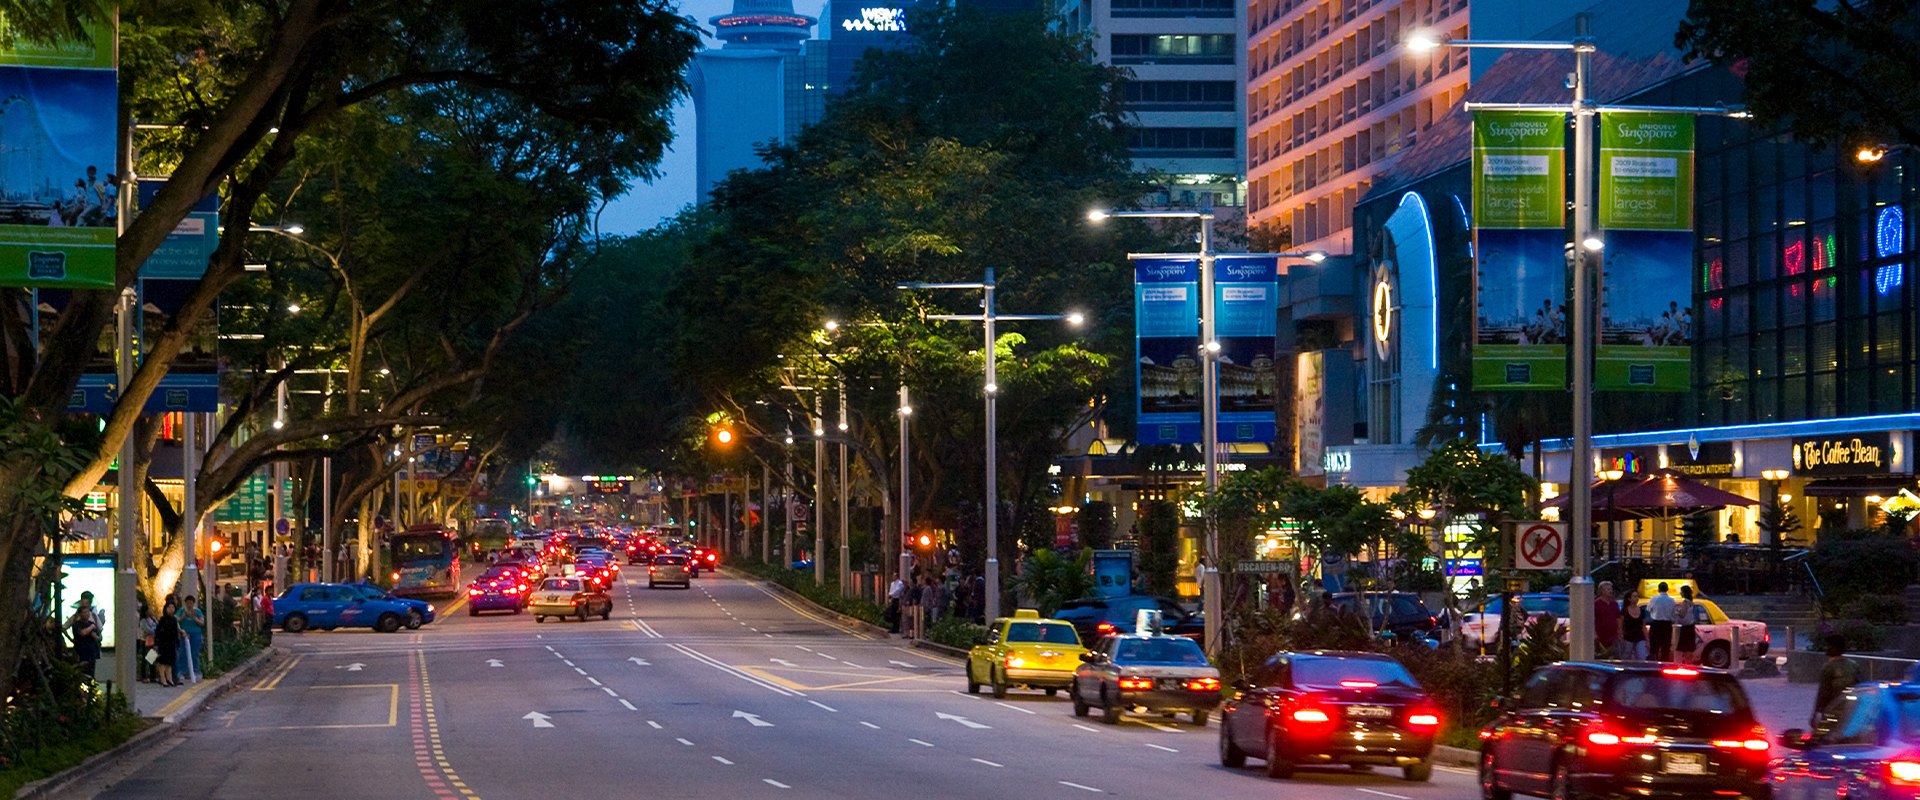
(960, 719)
(752, 718)
(494, 662)
(783, 662)
(539, 719)
(1078, 786)
(902, 663)
(640, 662)
(353, 667)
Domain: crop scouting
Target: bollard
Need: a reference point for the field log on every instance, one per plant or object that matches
(1733, 659)
(1788, 648)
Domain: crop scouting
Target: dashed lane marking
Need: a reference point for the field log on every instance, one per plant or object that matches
(921, 743)
(989, 763)
(1078, 786)
(1162, 747)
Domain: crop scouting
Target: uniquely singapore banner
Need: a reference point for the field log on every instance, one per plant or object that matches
(58, 151)
(1520, 270)
(1646, 210)
(1169, 374)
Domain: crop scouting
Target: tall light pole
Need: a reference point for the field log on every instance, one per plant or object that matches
(846, 550)
(906, 519)
(991, 389)
(1586, 245)
(819, 498)
(1210, 398)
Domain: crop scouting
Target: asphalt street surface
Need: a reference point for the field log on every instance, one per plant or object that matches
(720, 691)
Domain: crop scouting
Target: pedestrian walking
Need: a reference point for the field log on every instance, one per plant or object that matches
(895, 591)
(1633, 630)
(1685, 631)
(266, 617)
(146, 654)
(910, 607)
(1606, 619)
(86, 627)
(1837, 676)
(166, 642)
(1660, 625)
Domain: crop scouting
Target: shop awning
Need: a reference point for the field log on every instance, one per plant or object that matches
(1857, 487)
(1660, 493)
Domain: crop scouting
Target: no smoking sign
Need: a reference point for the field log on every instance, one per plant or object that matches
(1540, 545)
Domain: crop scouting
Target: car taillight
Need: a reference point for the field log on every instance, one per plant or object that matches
(1136, 683)
(650, 569)
(1680, 672)
(513, 590)
(1204, 684)
(1104, 628)
(1359, 684)
(1016, 661)
(709, 556)
(396, 576)
(1603, 738)
(475, 592)
(1313, 715)
(1741, 744)
(1904, 773)
(1424, 720)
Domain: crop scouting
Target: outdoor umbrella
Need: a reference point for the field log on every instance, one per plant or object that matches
(1660, 493)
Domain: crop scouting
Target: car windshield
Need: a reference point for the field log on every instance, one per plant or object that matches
(1042, 632)
(1160, 651)
(1688, 696)
(1906, 704)
(1331, 672)
(561, 585)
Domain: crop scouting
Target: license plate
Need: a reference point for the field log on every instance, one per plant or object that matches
(1686, 764)
(1369, 711)
(1170, 683)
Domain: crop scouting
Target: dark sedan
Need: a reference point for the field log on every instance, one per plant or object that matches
(1330, 707)
(1157, 674)
(1093, 618)
(1865, 745)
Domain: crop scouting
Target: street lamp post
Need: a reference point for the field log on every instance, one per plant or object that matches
(846, 550)
(906, 524)
(991, 388)
(1210, 398)
(819, 497)
(1585, 247)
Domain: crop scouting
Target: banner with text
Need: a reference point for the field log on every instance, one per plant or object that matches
(1246, 302)
(1520, 271)
(1646, 209)
(58, 193)
(1167, 379)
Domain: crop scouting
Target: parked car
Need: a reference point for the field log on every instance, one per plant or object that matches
(1157, 674)
(1481, 626)
(1401, 614)
(328, 606)
(419, 612)
(1330, 707)
(1093, 618)
(1861, 748)
(1605, 729)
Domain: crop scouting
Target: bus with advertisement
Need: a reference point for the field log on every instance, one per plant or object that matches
(425, 560)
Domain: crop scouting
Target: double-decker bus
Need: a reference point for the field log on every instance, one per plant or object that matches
(425, 560)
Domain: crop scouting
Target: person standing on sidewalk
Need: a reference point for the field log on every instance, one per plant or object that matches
(1660, 625)
(193, 638)
(894, 593)
(166, 642)
(1836, 677)
(1606, 620)
(148, 625)
(1684, 629)
(86, 628)
(1633, 630)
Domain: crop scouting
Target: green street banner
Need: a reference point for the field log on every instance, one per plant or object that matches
(1646, 210)
(1520, 280)
(58, 150)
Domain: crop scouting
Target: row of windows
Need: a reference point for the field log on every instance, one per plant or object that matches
(1172, 8)
(1197, 48)
(1180, 95)
(1213, 140)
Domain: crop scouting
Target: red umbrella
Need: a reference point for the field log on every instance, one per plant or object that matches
(1660, 493)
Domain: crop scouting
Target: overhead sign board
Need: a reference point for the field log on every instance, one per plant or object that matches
(1842, 455)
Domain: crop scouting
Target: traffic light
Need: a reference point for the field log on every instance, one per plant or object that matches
(723, 437)
(532, 479)
(215, 549)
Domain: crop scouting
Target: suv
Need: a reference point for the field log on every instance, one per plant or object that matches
(1585, 729)
(1093, 618)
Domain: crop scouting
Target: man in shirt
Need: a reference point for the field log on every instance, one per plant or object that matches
(1660, 625)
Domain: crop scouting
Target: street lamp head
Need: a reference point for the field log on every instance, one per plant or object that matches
(1097, 215)
(1593, 243)
(843, 426)
(1316, 256)
(819, 431)
(295, 229)
(832, 325)
(1213, 347)
(293, 308)
(1868, 155)
(906, 411)
(1076, 318)
(385, 371)
(1424, 41)
(279, 423)
(992, 388)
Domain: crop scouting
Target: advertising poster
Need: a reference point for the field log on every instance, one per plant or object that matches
(185, 252)
(1246, 303)
(58, 193)
(1520, 283)
(1310, 413)
(1646, 209)
(1166, 312)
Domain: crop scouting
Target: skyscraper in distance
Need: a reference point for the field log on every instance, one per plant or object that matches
(739, 88)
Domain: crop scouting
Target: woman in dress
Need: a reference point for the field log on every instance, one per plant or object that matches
(166, 642)
(1686, 633)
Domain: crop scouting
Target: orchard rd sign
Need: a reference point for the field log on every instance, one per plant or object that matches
(1851, 454)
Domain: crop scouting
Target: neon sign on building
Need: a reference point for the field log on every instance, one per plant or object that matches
(878, 20)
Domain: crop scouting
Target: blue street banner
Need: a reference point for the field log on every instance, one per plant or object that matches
(1246, 302)
(58, 194)
(1646, 208)
(192, 382)
(185, 252)
(1167, 376)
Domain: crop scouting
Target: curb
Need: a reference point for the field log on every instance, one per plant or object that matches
(941, 648)
(1455, 756)
(183, 709)
(790, 594)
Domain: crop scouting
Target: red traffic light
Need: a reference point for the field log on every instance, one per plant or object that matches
(724, 436)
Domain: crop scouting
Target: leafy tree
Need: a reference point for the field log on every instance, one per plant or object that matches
(1779, 522)
(1696, 534)
(1050, 579)
(1461, 480)
(1834, 72)
(1159, 540)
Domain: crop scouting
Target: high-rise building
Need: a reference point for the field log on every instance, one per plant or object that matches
(740, 88)
(1333, 97)
(1185, 93)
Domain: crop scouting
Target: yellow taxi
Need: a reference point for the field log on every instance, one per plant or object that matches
(1024, 650)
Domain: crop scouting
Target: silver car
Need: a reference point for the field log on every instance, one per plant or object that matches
(669, 568)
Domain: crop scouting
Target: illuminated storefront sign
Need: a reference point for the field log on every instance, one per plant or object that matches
(877, 20)
(1853, 454)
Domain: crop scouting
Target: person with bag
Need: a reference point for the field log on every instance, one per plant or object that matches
(166, 642)
(86, 627)
(1686, 632)
(147, 654)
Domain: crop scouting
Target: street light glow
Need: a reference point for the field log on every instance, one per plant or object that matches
(1868, 155)
(832, 325)
(293, 308)
(1097, 215)
(1213, 347)
(295, 229)
(1422, 42)
(906, 411)
(1315, 256)
(1593, 243)
(1076, 318)
(992, 388)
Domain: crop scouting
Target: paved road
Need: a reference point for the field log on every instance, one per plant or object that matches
(720, 691)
